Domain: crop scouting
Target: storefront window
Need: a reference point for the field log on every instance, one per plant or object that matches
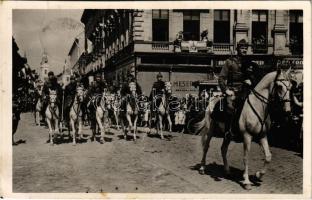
(260, 31)
(191, 24)
(296, 31)
(160, 25)
(221, 26)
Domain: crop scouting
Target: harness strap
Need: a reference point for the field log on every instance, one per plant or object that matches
(262, 122)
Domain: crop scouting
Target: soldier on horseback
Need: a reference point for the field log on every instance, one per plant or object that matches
(158, 89)
(51, 84)
(70, 91)
(94, 95)
(235, 80)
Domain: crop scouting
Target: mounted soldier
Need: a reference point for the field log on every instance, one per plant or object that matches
(51, 84)
(158, 89)
(70, 91)
(94, 95)
(235, 80)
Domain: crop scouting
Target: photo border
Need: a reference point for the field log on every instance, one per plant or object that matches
(6, 8)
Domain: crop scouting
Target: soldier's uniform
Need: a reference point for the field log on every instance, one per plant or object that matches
(158, 89)
(236, 75)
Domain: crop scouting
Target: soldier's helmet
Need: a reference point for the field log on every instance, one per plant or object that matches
(159, 75)
(50, 73)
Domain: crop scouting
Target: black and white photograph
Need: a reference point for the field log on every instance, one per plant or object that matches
(203, 100)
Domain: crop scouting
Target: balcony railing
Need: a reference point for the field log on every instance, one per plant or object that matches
(160, 46)
(222, 48)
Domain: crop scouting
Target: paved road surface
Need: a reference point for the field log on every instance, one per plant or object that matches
(149, 165)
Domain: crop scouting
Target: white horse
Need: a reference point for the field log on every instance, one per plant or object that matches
(38, 107)
(52, 115)
(75, 114)
(102, 114)
(163, 110)
(254, 121)
(131, 111)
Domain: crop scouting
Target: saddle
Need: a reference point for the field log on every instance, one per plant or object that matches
(222, 112)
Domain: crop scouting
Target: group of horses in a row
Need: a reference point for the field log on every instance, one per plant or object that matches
(109, 107)
(254, 120)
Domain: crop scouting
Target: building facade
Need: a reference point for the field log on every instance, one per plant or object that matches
(186, 45)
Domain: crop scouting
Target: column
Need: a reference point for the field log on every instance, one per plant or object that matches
(279, 33)
(241, 27)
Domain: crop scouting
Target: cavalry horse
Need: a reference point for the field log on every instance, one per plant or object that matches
(52, 115)
(38, 106)
(130, 112)
(254, 121)
(101, 114)
(75, 114)
(115, 108)
(164, 109)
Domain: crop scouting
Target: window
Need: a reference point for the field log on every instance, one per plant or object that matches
(160, 25)
(259, 31)
(191, 25)
(221, 25)
(296, 31)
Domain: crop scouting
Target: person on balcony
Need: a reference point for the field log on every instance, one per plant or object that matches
(235, 80)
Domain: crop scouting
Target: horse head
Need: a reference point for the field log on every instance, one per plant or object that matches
(132, 88)
(282, 87)
(52, 96)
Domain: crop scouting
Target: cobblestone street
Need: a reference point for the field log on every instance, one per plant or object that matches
(147, 165)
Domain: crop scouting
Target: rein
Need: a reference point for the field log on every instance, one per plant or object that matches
(265, 100)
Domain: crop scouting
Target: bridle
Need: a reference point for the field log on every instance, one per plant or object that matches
(271, 98)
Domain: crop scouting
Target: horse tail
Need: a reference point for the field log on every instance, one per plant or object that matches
(202, 126)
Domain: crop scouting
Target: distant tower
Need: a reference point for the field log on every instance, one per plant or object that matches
(44, 67)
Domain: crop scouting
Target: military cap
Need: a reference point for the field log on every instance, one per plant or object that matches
(159, 75)
(50, 73)
(242, 42)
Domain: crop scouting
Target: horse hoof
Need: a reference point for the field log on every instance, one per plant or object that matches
(101, 141)
(259, 175)
(202, 171)
(247, 186)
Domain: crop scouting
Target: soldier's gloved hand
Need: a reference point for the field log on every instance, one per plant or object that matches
(229, 92)
(248, 82)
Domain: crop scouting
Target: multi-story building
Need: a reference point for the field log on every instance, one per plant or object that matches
(186, 45)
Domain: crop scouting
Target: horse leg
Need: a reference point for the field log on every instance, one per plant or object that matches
(169, 123)
(80, 128)
(72, 122)
(268, 156)
(130, 126)
(224, 148)
(247, 145)
(206, 137)
(50, 131)
(117, 120)
(37, 118)
(99, 122)
(160, 123)
(135, 127)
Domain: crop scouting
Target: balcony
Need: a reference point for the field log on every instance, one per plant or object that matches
(153, 46)
(222, 48)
